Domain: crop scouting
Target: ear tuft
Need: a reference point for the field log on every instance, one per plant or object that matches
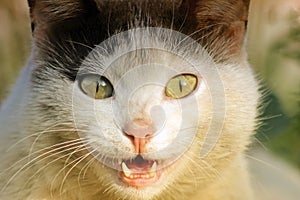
(220, 25)
(45, 13)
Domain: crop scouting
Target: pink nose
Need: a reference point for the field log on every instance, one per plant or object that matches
(139, 132)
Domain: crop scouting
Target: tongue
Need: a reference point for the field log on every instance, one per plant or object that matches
(139, 164)
(139, 172)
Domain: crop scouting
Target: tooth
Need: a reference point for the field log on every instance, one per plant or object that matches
(119, 161)
(153, 169)
(126, 170)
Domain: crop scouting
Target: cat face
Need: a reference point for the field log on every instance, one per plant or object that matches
(143, 105)
(152, 108)
(145, 110)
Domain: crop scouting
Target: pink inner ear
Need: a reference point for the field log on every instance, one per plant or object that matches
(237, 31)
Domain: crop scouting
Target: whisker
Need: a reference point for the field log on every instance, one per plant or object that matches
(42, 133)
(36, 159)
(29, 136)
(84, 169)
(53, 161)
(261, 161)
(78, 160)
(44, 149)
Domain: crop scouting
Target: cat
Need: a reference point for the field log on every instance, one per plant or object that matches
(131, 100)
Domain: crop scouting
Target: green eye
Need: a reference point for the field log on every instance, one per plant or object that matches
(95, 86)
(181, 86)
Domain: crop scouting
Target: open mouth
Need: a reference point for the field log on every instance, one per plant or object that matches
(139, 172)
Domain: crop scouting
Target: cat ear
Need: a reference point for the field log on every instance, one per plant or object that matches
(64, 32)
(219, 25)
(48, 13)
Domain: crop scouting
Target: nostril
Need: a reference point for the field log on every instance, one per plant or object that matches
(138, 142)
(139, 134)
(130, 137)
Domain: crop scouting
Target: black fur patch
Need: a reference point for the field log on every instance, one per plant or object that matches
(64, 45)
(64, 40)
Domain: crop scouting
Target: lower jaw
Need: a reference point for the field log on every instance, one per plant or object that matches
(140, 182)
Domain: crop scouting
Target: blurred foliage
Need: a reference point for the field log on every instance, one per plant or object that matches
(286, 143)
(281, 132)
(290, 45)
(14, 41)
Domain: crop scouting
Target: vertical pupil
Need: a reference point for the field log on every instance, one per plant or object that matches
(180, 85)
(97, 87)
(101, 84)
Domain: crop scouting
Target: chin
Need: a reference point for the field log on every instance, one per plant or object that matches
(139, 178)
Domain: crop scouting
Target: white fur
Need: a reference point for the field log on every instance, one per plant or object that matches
(139, 64)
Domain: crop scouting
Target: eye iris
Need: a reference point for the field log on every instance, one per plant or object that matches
(103, 90)
(181, 86)
(97, 87)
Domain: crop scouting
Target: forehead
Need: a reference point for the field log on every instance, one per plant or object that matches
(66, 31)
(150, 51)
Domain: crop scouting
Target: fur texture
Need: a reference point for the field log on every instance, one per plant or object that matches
(58, 143)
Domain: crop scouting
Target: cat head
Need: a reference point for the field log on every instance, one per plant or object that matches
(142, 91)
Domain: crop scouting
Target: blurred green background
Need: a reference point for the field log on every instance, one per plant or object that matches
(274, 53)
